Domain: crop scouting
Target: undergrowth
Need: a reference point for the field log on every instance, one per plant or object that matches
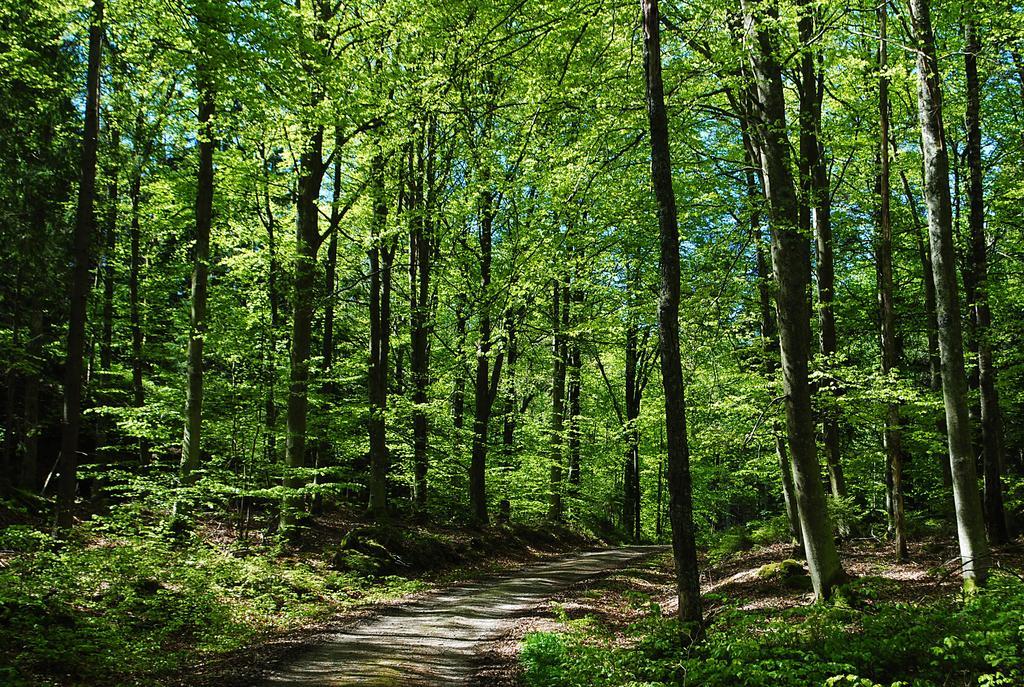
(115, 607)
(972, 640)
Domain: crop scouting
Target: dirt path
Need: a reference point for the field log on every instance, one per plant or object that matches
(437, 641)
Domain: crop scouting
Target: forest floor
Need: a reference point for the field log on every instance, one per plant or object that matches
(610, 608)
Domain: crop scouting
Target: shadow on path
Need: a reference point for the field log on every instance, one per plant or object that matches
(436, 641)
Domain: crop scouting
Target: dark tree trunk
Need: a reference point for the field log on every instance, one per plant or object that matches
(974, 552)
(991, 416)
(381, 255)
(420, 252)
(134, 308)
(791, 262)
(110, 234)
(634, 393)
(307, 242)
(270, 412)
(816, 198)
(680, 507)
(85, 222)
(459, 393)
(487, 377)
(560, 316)
(190, 445)
(574, 377)
(892, 436)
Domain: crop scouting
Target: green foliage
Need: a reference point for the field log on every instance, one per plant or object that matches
(114, 607)
(978, 639)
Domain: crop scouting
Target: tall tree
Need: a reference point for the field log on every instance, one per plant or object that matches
(191, 441)
(559, 320)
(381, 255)
(816, 202)
(892, 435)
(991, 415)
(81, 245)
(974, 553)
(791, 264)
(684, 547)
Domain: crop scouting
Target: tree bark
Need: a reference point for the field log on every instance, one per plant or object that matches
(974, 552)
(559, 311)
(382, 252)
(791, 263)
(191, 441)
(892, 436)
(307, 243)
(680, 507)
(420, 251)
(487, 377)
(110, 234)
(991, 416)
(85, 222)
(816, 199)
(134, 309)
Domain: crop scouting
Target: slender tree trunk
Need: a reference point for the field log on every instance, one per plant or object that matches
(991, 416)
(974, 552)
(110, 234)
(631, 477)
(459, 393)
(487, 377)
(684, 548)
(574, 378)
(191, 441)
(85, 222)
(382, 253)
(307, 242)
(816, 199)
(892, 435)
(560, 308)
(791, 262)
(270, 412)
(420, 251)
(134, 310)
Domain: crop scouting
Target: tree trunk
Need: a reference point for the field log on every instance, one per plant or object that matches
(420, 251)
(459, 392)
(991, 416)
(190, 445)
(680, 507)
(559, 310)
(892, 435)
(110, 234)
(791, 263)
(974, 553)
(487, 378)
(85, 222)
(631, 478)
(574, 378)
(382, 253)
(816, 198)
(134, 309)
(307, 242)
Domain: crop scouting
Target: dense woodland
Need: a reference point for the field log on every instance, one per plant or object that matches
(655, 274)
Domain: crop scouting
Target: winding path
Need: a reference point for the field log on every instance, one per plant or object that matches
(437, 640)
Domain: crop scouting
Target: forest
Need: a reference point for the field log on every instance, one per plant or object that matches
(551, 343)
